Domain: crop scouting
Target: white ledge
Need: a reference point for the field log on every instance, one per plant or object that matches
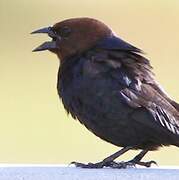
(62, 172)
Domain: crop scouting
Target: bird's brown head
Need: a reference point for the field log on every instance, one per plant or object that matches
(73, 36)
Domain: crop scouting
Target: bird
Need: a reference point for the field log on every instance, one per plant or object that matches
(108, 85)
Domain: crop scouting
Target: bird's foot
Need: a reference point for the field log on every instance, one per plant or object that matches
(120, 165)
(111, 164)
(141, 163)
(129, 164)
(89, 165)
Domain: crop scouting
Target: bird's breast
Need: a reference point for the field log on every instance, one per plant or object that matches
(95, 100)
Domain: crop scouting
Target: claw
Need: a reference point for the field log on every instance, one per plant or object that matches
(145, 164)
(148, 164)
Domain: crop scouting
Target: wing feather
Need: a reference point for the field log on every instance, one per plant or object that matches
(141, 90)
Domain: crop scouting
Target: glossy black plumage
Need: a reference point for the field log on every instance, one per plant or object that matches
(114, 95)
(108, 85)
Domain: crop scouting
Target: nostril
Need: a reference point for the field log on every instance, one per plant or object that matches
(52, 34)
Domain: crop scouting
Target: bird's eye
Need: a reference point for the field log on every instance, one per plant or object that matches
(64, 31)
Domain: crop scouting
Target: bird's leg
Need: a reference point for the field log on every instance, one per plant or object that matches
(137, 160)
(107, 162)
(132, 163)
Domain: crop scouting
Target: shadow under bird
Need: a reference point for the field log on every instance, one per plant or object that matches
(108, 85)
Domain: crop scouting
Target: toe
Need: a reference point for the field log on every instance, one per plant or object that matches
(89, 165)
(147, 164)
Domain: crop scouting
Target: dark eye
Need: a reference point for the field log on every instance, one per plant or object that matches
(64, 31)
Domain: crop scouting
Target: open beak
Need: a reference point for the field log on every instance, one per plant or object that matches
(48, 45)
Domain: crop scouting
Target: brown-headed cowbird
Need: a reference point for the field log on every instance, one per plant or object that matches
(108, 85)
